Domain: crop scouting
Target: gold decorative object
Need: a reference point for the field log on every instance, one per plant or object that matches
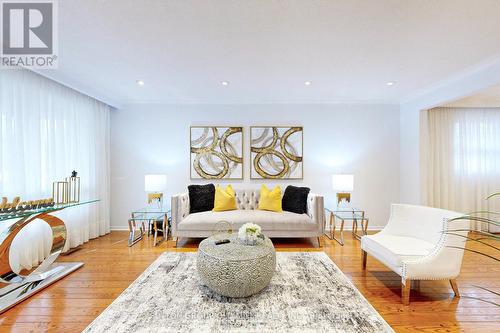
(9, 207)
(73, 188)
(222, 230)
(18, 206)
(67, 191)
(276, 152)
(60, 192)
(216, 152)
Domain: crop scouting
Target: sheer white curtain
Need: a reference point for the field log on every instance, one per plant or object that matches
(461, 158)
(46, 131)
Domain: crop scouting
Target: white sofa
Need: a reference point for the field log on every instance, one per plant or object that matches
(416, 244)
(284, 224)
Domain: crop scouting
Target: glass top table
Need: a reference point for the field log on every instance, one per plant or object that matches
(346, 214)
(150, 214)
(8, 215)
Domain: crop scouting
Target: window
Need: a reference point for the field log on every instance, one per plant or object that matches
(476, 148)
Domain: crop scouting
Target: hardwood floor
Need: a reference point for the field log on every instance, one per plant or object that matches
(110, 266)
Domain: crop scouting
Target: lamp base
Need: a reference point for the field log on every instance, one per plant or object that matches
(343, 196)
(155, 197)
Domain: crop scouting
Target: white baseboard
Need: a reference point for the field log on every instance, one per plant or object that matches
(119, 227)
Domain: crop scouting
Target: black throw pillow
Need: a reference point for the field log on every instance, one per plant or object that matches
(201, 198)
(295, 199)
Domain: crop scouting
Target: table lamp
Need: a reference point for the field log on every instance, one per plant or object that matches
(154, 185)
(343, 185)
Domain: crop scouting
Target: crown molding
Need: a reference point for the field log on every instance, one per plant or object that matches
(257, 102)
(465, 83)
(92, 93)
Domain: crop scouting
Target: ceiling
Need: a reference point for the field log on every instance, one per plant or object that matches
(267, 49)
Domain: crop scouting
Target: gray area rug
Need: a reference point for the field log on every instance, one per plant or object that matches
(308, 293)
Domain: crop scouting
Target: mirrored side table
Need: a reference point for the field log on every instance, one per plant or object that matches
(345, 214)
(149, 215)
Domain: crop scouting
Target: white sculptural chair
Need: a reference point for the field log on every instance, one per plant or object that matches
(419, 243)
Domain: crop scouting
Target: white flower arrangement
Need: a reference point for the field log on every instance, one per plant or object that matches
(249, 233)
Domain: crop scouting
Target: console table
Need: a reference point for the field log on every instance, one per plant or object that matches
(14, 287)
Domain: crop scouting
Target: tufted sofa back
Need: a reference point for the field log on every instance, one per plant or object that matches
(247, 199)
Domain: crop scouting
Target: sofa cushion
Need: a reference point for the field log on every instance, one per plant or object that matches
(266, 219)
(225, 199)
(270, 199)
(392, 250)
(201, 198)
(295, 199)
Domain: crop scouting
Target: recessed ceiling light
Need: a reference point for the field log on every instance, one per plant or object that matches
(390, 83)
(307, 83)
(140, 82)
(225, 83)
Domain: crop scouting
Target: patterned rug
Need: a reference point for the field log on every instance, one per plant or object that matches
(308, 293)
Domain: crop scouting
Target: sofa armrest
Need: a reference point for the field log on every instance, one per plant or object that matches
(445, 261)
(180, 209)
(315, 210)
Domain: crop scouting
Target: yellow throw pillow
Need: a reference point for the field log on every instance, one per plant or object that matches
(270, 200)
(225, 199)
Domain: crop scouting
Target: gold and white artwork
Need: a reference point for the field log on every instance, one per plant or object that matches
(216, 152)
(276, 152)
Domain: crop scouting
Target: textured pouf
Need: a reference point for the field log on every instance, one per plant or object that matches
(235, 269)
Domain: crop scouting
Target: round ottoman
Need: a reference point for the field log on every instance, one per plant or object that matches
(235, 269)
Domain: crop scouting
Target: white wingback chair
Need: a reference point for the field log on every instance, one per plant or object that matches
(418, 244)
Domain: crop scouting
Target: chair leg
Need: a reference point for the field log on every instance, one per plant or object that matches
(175, 241)
(319, 241)
(454, 286)
(364, 254)
(405, 292)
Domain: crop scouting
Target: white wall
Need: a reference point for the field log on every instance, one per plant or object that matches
(361, 139)
(410, 191)
(470, 81)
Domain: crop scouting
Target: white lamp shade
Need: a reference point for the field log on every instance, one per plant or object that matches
(343, 183)
(155, 183)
